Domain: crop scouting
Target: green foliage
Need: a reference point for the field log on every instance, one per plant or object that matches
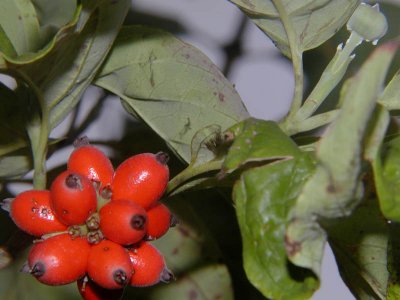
(296, 26)
(360, 244)
(258, 141)
(263, 197)
(138, 71)
(288, 199)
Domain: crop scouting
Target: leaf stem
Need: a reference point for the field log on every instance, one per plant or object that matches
(40, 152)
(192, 171)
(317, 121)
(296, 56)
(38, 132)
(331, 76)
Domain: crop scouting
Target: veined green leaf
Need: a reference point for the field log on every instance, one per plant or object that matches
(335, 189)
(263, 197)
(43, 24)
(19, 22)
(257, 141)
(300, 24)
(360, 245)
(156, 76)
(66, 71)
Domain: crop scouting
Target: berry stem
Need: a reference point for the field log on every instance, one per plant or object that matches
(192, 171)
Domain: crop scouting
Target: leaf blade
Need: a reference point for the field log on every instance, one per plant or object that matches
(312, 22)
(139, 70)
(263, 197)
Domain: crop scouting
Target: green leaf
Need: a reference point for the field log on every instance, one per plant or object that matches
(169, 84)
(54, 15)
(387, 179)
(390, 98)
(64, 74)
(335, 189)
(360, 249)
(14, 165)
(301, 25)
(181, 247)
(257, 141)
(263, 198)
(18, 20)
(52, 32)
(13, 118)
(209, 282)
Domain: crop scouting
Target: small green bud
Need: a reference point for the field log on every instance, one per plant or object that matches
(368, 22)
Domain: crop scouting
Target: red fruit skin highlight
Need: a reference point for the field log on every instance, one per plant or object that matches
(109, 265)
(123, 222)
(59, 260)
(73, 198)
(148, 265)
(32, 213)
(92, 163)
(141, 178)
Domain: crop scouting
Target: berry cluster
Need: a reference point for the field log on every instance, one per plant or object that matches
(95, 223)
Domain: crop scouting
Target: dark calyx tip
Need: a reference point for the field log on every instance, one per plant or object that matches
(162, 158)
(38, 269)
(120, 277)
(106, 192)
(73, 181)
(173, 221)
(138, 222)
(81, 141)
(166, 276)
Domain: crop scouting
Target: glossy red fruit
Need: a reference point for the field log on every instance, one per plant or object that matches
(148, 265)
(141, 178)
(159, 220)
(89, 290)
(73, 198)
(123, 222)
(91, 162)
(59, 260)
(32, 213)
(109, 265)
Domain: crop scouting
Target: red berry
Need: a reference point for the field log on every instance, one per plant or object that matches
(73, 198)
(109, 265)
(141, 178)
(31, 212)
(89, 290)
(159, 220)
(91, 162)
(123, 222)
(59, 260)
(148, 266)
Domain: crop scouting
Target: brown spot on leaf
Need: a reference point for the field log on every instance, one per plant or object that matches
(193, 295)
(221, 97)
(292, 247)
(184, 231)
(331, 189)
